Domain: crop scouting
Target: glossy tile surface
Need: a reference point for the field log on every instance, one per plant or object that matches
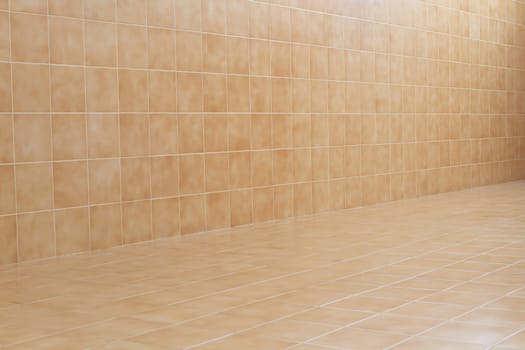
(210, 114)
(439, 272)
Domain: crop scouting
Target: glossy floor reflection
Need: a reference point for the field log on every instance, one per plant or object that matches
(440, 272)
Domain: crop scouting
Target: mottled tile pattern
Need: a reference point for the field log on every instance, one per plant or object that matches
(440, 272)
(209, 114)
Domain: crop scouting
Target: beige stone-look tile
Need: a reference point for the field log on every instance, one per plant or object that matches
(8, 238)
(477, 334)
(162, 89)
(136, 221)
(189, 92)
(217, 210)
(133, 90)
(191, 174)
(213, 16)
(164, 176)
(5, 47)
(32, 138)
(104, 181)
(240, 170)
(30, 88)
(165, 217)
(161, 48)
(429, 310)
(331, 316)
(290, 330)
(70, 184)
(189, 51)
(101, 90)
(131, 11)
(178, 337)
(241, 214)
(263, 204)
(36, 236)
(66, 44)
(192, 214)
(72, 230)
(134, 134)
(34, 187)
(238, 17)
(103, 135)
(397, 324)
(362, 339)
(215, 133)
(431, 343)
(214, 53)
(105, 225)
(363, 303)
(100, 9)
(132, 46)
(101, 43)
(238, 55)
(65, 8)
(29, 35)
(214, 93)
(135, 178)
(7, 188)
(161, 13)
(163, 134)
(217, 172)
(6, 104)
(238, 94)
(6, 139)
(69, 137)
(280, 28)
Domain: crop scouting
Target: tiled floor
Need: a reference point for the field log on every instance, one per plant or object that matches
(441, 272)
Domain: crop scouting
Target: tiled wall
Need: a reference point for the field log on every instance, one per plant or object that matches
(128, 120)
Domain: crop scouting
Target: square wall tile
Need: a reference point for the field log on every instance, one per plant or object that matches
(65, 8)
(8, 240)
(33, 138)
(165, 176)
(7, 189)
(106, 228)
(30, 88)
(72, 230)
(217, 210)
(66, 41)
(104, 181)
(136, 221)
(166, 219)
(36, 236)
(135, 178)
(103, 135)
(30, 6)
(5, 46)
(34, 187)
(104, 10)
(69, 137)
(164, 134)
(29, 37)
(101, 43)
(5, 88)
(6, 139)
(192, 214)
(68, 92)
(70, 184)
(241, 207)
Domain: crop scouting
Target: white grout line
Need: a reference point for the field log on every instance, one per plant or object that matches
(13, 143)
(121, 210)
(310, 341)
(86, 125)
(50, 100)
